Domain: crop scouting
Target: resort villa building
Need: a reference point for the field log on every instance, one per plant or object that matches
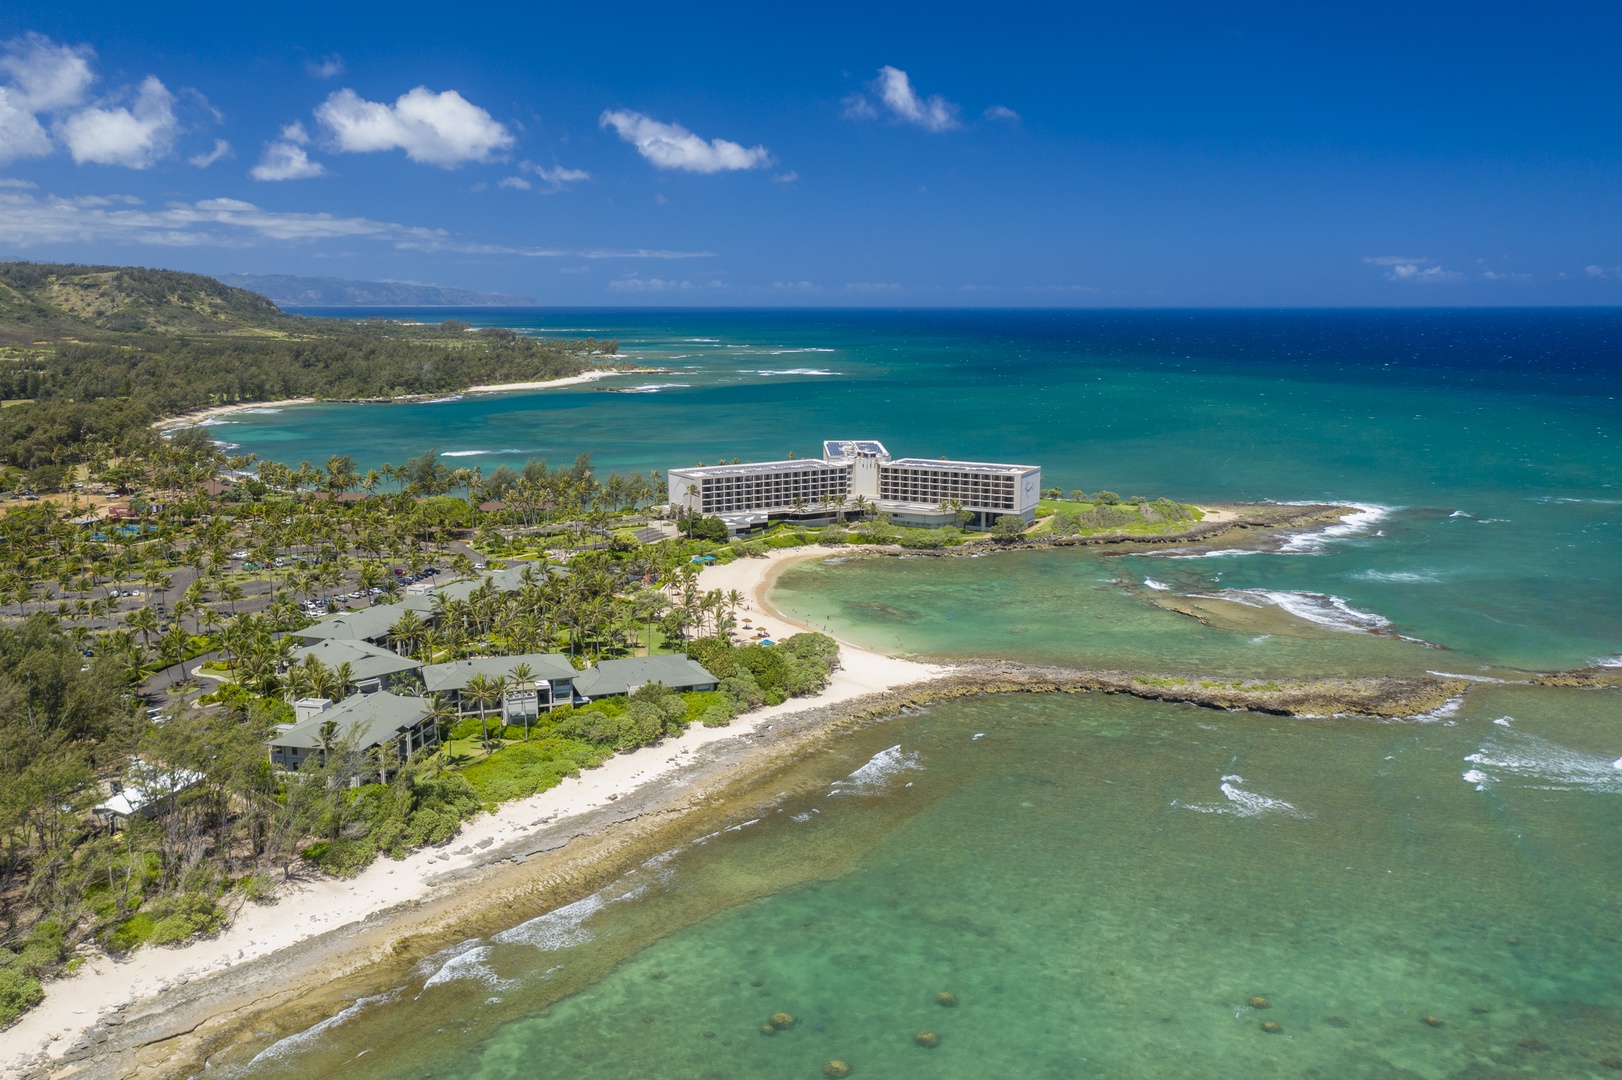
(366, 722)
(915, 492)
(371, 667)
(548, 681)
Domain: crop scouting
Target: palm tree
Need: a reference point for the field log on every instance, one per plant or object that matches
(522, 678)
(483, 691)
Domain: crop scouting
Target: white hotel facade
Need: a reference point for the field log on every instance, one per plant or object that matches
(916, 492)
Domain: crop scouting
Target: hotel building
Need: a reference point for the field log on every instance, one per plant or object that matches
(916, 492)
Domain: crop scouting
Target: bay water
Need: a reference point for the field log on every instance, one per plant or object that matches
(1104, 884)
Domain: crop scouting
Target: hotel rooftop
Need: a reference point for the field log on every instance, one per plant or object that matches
(921, 492)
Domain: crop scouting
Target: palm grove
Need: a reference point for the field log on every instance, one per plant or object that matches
(94, 615)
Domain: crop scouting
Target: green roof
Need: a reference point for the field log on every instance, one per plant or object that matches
(544, 667)
(367, 624)
(367, 719)
(365, 661)
(610, 677)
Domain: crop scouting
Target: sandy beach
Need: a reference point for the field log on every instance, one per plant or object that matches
(545, 384)
(307, 908)
(198, 416)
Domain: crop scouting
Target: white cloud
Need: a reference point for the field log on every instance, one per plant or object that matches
(42, 78)
(636, 284)
(134, 136)
(1003, 113)
(45, 76)
(554, 178)
(28, 220)
(21, 134)
(787, 178)
(1594, 271)
(873, 286)
(286, 158)
(443, 129)
(328, 67)
(21, 185)
(1393, 260)
(1504, 275)
(1429, 275)
(517, 183)
(221, 151)
(857, 107)
(894, 90)
(671, 146)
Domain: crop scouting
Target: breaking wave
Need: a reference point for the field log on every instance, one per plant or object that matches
(1541, 765)
(470, 963)
(298, 1040)
(785, 352)
(1242, 803)
(557, 929)
(798, 371)
(1401, 577)
(653, 388)
(1157, 586)
(1609, 661)
(479, 453)
(1327, 611)
(876, 776)
(1313, 541)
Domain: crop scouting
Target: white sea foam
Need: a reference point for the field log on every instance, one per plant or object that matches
(1466, 678)
(258, 412)
(798, 371)
(654, 388)
(1242, 803)
(1320, 608)
(470, 964)
(1442, 714)
(1542, 765)
(1157, 586)
(785, 352)
(481, 453)
(441, 400)
(1504, 721)
(1609, 661)
(1200, 554)
(875, 777)
(557, 929)
(213, 421)
(298, 1040)
(1313, 541)
(1401, 577)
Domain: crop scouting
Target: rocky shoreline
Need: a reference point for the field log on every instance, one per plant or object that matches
(198, 1020)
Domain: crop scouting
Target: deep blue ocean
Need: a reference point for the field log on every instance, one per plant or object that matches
(1107, 886)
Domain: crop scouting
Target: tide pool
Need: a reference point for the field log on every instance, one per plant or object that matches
(1103, 884)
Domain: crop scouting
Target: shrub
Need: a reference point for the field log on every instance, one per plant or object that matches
(833, 536)
(18, 993)
(1008, 527)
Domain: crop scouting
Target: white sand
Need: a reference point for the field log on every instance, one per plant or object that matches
(545, 384)
(197, 416)
(306, 908)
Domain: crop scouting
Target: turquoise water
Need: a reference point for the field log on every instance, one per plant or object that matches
(1103, 883)
(1492, 439)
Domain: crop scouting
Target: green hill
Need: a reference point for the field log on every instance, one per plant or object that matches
(45, 300)
(91, 355)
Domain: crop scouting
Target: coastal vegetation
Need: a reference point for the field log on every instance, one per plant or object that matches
(102, 616)
(94, 355)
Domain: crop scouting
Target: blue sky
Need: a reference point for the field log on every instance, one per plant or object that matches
(831, 154)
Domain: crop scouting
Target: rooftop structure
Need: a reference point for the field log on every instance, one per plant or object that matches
(613, 677)
(909, 491)
(371, 624)
(373, 668)
(550, 684)
(366, 722)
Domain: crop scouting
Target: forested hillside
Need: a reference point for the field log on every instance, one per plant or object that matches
(95, 354)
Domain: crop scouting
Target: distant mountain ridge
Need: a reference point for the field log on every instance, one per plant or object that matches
(286, 289)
